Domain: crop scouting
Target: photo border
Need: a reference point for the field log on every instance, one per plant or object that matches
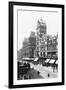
(10, 82)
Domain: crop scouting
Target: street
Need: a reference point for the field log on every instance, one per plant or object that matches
(45, 72)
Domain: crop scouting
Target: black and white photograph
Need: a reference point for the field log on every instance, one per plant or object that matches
(37, 44)
(37, 54)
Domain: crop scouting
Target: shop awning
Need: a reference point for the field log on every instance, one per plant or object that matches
(27, 59)
(52, 61)
(36, 59)
(56, 62)
(20, 61)
(47, 60)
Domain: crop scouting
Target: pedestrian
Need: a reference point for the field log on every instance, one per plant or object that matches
(53, 69)
(48, 75)
(38, 73)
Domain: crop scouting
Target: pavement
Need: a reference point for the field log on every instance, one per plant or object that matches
(45, 72)
(33, 74)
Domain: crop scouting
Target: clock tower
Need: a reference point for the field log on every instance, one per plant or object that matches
(41, 39)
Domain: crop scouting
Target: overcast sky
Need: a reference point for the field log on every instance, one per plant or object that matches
(27, 22)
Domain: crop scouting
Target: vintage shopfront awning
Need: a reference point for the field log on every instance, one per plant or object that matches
(28, 59)
(52, 61)
(56, 62)
(36, 59)
(47, 60)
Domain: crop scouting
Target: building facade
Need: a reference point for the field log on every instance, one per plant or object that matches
(40, 44)
(41, 39)
(29, 45)
(32, 40)
(52, 46)
(46, 45)
(26, 48)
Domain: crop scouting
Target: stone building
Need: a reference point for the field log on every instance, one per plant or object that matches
(52, 46)
(32, 40)
(26, 48)
(40, 44)
(41, 39)
(46, 45)
(29, 45)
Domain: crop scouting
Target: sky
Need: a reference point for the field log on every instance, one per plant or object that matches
(27, 22)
